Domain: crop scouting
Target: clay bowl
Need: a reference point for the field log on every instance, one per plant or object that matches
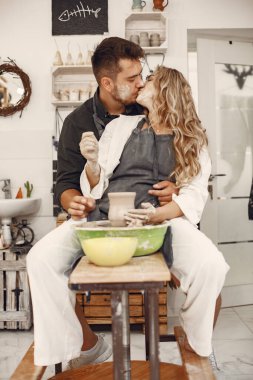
(109, 251)
(150, 238)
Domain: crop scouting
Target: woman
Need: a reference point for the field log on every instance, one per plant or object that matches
(168, 143)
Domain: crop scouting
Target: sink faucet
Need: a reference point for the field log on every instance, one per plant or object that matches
(6, 188)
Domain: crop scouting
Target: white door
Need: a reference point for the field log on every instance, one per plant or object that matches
(225, 101)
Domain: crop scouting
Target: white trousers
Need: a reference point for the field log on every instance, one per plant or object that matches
(198, 265)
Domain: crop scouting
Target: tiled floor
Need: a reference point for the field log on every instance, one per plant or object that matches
(232, 342)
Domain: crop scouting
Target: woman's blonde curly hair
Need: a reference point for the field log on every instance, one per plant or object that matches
(174, 108)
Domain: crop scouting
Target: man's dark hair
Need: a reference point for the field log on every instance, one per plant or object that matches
(105, 60)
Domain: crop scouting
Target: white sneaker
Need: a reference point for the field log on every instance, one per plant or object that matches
(213, 362)
(97, 354)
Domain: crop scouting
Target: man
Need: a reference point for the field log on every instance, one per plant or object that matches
(61, 332)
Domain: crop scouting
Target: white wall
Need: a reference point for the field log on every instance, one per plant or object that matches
(25, 36)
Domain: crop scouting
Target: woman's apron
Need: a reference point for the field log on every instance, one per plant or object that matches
(146, 159)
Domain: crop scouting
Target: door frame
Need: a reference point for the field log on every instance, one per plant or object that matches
(209, 53)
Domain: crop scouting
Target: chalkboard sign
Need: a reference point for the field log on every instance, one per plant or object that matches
(79, 17)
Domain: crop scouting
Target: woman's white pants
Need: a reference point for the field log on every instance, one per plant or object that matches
(198, 265)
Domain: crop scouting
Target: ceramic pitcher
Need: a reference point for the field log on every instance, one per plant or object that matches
(158, 5)
(138, 5)
(119, 204)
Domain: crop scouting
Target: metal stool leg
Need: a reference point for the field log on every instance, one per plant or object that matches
(153, 332)
(121, 335)
(146, 320)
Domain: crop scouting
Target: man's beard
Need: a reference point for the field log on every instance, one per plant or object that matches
(123, 94)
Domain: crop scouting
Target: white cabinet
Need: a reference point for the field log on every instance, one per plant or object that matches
(72, 85)
(151, 22)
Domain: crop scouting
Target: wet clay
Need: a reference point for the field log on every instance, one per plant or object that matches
(119, 204)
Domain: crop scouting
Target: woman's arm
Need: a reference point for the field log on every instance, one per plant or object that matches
(189, 202)
(192, 197)
(111, 145)
(169, 211)
(89, 149)
(93, 173)
(148, 214)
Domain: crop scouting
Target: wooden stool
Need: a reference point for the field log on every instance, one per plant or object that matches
(147, 273)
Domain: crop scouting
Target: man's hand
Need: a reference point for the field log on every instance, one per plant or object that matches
(80, 206)
(163, 191)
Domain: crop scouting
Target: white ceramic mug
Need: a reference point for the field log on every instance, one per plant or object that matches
(119, 204)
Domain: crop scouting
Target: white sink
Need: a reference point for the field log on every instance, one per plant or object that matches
(11, 208)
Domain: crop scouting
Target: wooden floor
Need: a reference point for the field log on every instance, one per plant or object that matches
(139, 371)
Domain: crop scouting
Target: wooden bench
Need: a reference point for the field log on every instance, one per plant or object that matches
(193, 367)
(26, 369)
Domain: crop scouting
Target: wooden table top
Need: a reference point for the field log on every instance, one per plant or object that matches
(151, 268)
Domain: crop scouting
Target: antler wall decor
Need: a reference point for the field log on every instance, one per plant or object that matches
(240, 76)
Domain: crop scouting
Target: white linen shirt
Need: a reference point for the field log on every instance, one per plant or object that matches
(191, 198)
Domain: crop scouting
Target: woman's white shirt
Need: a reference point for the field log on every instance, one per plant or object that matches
(192, 197)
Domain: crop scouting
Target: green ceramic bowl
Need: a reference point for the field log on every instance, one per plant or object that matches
(150, 238)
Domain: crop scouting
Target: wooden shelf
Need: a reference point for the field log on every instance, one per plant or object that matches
(151, 22)
(67, 103)
(75, 69)
(69, 78)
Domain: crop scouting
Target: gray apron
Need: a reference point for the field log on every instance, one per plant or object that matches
(146, 159)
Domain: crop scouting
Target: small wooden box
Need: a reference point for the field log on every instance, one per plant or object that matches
(15, 300)
(97, 308)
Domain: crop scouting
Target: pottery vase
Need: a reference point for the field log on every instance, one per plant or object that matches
(80, 60)
(69, 60)
(158, 5)
(119, 204)
(58, 59)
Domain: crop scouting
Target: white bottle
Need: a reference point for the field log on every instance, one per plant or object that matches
(6, 235)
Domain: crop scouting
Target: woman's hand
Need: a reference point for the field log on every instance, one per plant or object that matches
(89, 147)
(163, 191)
(140, 216)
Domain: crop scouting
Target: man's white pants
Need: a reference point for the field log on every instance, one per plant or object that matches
(198, 265)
